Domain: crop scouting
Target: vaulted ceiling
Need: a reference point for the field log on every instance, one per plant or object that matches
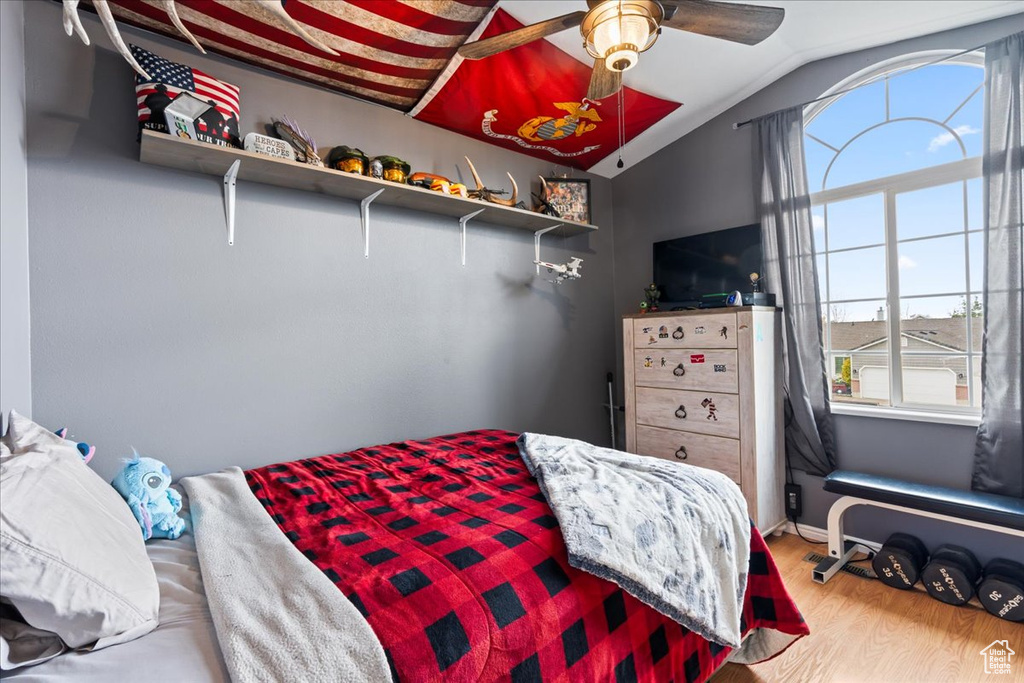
(709, 76)
(391, 52)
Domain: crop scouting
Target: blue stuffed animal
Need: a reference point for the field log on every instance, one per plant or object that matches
(84, 449)
(145, 484)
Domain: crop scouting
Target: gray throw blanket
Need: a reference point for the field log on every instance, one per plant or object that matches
(675, 536)
(278, 618)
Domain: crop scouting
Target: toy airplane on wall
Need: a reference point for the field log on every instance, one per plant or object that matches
(566, 271)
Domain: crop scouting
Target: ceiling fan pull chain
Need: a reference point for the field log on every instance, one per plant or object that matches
(621, 126)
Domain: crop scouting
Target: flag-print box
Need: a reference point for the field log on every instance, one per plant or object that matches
(186, 117)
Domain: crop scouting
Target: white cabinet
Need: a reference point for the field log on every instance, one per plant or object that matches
(704, 387)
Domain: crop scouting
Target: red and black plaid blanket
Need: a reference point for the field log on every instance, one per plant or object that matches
(450, 551)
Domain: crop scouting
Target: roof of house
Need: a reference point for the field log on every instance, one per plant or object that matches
(949, 333)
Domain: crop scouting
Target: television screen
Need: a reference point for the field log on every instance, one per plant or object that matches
(688, 268)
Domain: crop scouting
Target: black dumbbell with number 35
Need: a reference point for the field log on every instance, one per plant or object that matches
(951, 574)
(898, 563)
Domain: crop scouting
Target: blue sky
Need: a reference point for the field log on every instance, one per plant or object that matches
(932, 266)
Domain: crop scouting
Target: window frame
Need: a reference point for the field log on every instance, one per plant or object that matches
(962, 171)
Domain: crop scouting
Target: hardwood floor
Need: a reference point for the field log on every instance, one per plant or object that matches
(863, 631)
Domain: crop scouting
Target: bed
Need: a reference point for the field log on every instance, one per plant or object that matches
(450, 552)
(182, 648)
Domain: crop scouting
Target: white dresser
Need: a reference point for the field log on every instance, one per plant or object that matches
(704, 387)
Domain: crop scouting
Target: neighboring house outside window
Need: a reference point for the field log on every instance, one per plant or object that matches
(894, 168)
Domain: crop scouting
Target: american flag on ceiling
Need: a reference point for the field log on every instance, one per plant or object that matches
(389, 51)
(402, 54)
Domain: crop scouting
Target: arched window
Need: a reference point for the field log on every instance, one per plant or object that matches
(894, 167)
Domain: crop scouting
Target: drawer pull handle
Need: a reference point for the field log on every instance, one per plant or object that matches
(679, 370)
(678, 334)
(681, 412)
(681, 453)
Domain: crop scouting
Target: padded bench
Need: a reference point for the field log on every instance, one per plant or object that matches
(971, 508)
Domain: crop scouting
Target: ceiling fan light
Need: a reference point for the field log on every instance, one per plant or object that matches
(621, 26)
(623, 58)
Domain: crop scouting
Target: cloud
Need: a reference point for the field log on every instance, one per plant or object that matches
(818, 221)
(906, 262)
(943, 139)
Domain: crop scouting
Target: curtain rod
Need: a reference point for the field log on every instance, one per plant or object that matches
(737, 126)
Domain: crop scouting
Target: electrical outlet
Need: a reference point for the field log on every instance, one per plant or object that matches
(794, 501)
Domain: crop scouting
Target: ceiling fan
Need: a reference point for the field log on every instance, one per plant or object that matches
(615, 32)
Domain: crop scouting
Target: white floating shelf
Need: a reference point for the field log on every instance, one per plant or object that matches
(165, 150)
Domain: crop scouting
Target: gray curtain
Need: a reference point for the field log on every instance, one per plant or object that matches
(999, 449)
(784, 206)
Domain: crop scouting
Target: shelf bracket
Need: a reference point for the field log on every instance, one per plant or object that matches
(462, 225)
(364, 215)
(229, 199)
(536, 242)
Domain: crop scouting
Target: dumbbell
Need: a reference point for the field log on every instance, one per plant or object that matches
(1001, 592)
(951, 574)
(898, 563)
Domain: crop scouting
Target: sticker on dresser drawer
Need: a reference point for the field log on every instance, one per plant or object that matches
(690, 411)
(709, 370)
(709, 403)
(702, 331)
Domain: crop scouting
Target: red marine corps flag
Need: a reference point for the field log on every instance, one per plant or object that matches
(531, 99)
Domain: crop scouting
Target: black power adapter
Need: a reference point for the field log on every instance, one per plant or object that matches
(794, 501)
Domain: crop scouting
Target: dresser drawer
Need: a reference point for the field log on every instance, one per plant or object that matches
(713, 452)
(686, 369)
(706, 331)
(693, 411)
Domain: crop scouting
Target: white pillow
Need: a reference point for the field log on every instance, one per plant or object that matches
(72, 558)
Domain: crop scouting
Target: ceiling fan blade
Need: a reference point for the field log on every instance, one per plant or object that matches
(521, 36)
(603, 81)
(748, 24)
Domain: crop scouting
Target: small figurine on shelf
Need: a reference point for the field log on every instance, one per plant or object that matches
(652, 294)
(643, 307)
(755, 283)
(376, 169)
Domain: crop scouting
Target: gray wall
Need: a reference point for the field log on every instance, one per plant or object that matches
(149, 331)
(15, 350)
(704, 182)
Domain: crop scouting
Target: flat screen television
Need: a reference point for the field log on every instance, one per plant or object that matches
(688, 268)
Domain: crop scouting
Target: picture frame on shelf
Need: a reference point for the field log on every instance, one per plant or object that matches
(570, 197)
